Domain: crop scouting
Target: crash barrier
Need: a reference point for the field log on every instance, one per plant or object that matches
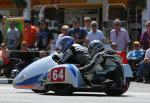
(7, 63)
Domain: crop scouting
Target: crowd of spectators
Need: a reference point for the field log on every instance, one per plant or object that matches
(41, 37)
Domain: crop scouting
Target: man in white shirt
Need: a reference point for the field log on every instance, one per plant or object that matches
(95, 34)
(119, 36)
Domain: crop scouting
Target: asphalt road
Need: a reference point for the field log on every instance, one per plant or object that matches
(137, 93)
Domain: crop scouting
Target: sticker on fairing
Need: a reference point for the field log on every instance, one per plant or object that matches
(57, 75)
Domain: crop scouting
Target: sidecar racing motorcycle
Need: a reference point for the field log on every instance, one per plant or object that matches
(46, 75)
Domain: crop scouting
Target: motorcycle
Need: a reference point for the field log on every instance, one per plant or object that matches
(46, 75)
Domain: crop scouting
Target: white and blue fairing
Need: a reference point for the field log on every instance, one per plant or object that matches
(70, 75)
(29, 77)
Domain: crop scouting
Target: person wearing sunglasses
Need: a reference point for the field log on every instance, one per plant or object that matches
(119, 36)
(143, 72)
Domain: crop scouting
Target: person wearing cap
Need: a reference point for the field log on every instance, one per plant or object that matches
(119, 36)
(143, 72)
(29, 34)
(95, 34)
(135, 56)
(78, 33)
(145, 36)
(137, 53)
(13, 37)
(44, 37)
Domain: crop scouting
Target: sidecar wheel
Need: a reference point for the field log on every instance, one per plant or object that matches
(118, 92)
(63, 89)
(39, 91)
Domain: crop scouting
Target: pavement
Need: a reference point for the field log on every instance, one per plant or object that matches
(6, 80)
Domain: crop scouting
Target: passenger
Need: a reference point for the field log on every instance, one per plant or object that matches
(102, 60)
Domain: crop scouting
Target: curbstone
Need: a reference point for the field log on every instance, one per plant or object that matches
(6, 81)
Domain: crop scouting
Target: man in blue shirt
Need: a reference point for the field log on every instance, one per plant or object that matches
(137, 53)
(77, 32)
(135, 56)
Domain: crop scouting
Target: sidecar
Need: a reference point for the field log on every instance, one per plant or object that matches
(46, 75)
(29, 77)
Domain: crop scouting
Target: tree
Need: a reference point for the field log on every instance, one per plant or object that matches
(20, 4)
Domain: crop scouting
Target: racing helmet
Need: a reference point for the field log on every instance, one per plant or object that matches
(65, 43)
(95, 47)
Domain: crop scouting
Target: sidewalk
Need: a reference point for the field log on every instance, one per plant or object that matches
(6, 80)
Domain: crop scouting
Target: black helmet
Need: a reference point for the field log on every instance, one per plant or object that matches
(95, 47)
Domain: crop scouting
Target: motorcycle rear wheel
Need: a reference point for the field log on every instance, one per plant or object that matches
(119, 91)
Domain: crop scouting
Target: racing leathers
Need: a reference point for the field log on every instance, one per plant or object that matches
(76, 54)
(104, 63)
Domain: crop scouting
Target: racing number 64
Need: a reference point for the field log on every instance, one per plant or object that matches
(58, 75)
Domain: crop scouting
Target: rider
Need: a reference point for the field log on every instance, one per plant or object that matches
(72, 52)
(102, 59)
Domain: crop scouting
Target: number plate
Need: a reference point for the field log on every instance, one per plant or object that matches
(57, 75)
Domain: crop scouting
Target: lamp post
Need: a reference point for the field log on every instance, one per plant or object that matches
(148, 9)
(105, 10)
(27, 10)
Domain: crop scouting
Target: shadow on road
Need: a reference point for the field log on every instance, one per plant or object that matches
(85, 94)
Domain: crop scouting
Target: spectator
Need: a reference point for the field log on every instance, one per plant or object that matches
(119, 36)
(145, 36)
(87, 22)
(144, 67)
(95, 34)
(135, 56)
(30, 34)
(24, 54)
(4, 53)
(114, 46)
(42, 54)
(4, 57)
(13, 37)
(45, 36)
(64, 31)
(137, 53)
(1, 37)
(79, 34)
